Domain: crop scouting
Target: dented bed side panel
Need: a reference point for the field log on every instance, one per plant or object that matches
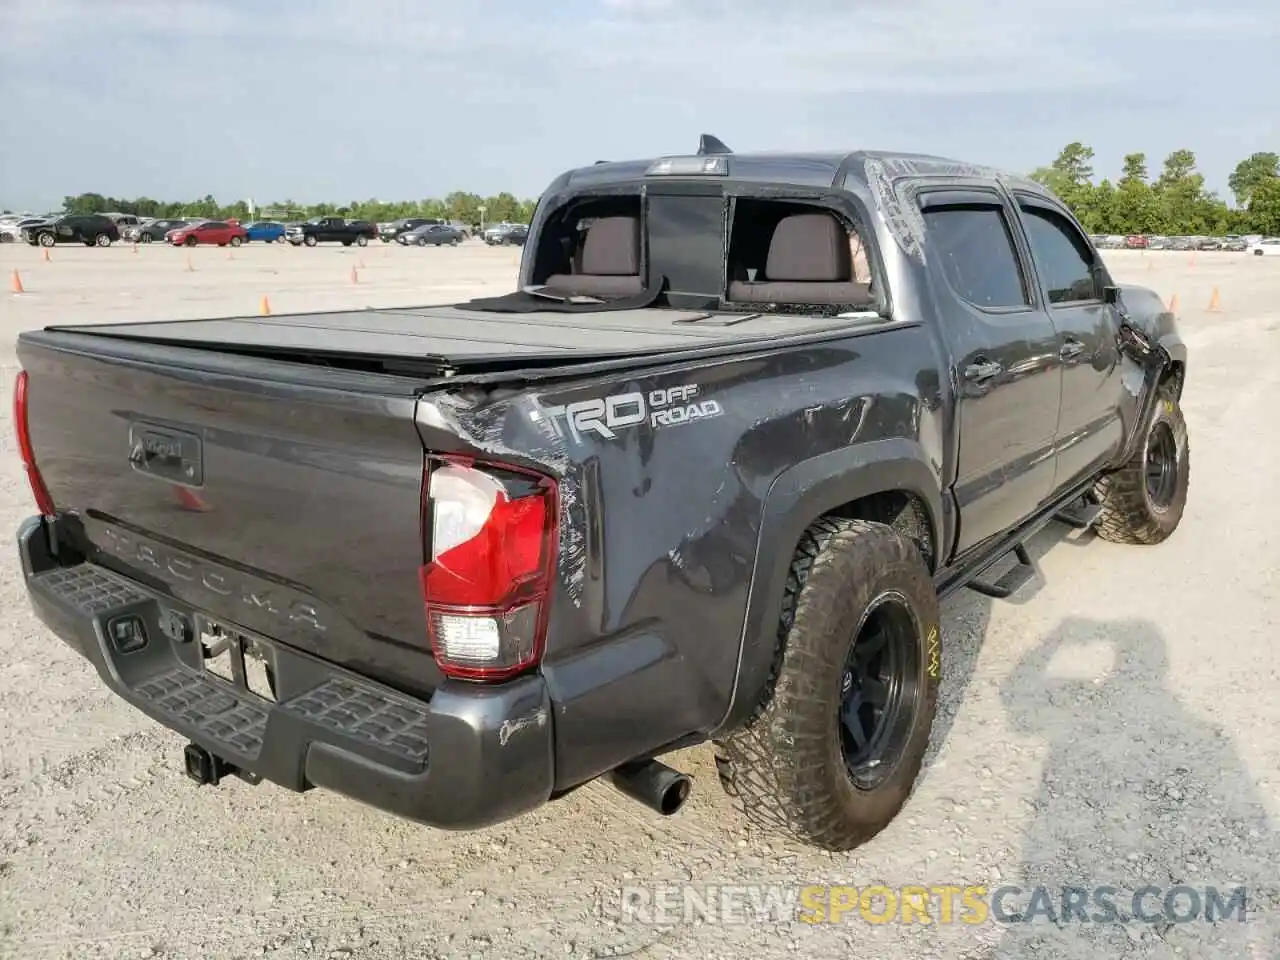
(663, 476)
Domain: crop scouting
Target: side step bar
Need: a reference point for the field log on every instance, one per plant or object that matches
(1012, 580)
(1082, 516)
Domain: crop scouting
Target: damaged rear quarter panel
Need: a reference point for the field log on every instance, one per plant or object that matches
(663, 476)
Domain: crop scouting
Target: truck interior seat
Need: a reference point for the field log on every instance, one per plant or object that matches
(610, 265)
(809, 262)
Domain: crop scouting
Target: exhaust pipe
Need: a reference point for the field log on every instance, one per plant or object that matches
(654, 784)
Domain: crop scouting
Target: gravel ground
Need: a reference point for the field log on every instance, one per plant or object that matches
(1118, 725)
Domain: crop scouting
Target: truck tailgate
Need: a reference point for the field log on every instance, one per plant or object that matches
(291, 509)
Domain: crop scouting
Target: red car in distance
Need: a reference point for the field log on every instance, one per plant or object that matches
(211, 231)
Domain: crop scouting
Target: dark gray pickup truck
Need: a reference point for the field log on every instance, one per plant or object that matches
(703, 477)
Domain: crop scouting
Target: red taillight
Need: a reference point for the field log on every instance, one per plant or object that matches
(490, 543)
(44, 502)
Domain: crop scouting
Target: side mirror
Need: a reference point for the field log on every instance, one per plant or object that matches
(1110, 294)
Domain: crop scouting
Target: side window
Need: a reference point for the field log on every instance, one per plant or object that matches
(1061, 256)
(975, 247)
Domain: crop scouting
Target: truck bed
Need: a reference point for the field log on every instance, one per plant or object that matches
(460, 338)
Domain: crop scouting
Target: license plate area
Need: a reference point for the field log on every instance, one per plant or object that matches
(238, 659)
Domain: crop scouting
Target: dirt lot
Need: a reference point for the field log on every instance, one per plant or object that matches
(1120, 725)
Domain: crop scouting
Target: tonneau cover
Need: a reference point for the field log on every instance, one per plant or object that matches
(460, 336)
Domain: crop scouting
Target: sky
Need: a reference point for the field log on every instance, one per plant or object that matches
(339, 100)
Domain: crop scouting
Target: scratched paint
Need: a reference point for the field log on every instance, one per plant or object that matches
(510, 727)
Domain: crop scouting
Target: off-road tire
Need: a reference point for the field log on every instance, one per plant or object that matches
(785, 766)
(1128, 513)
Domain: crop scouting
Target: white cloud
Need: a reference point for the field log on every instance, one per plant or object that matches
(528, 88)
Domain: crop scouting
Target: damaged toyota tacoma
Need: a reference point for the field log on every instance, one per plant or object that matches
(703, 477)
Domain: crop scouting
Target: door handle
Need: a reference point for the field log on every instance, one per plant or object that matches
(983, 370)
(1071, 349)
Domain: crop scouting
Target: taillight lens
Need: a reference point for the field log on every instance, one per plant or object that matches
(490, 547)
(22, 430)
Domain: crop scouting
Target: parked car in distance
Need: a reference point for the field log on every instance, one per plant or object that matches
(154, 231)
(217, 232)
(431, 235)
(1135, 241)
(506, 234)
(331, 230)
(91, 229)
(265, 231)
(393, 230)
(1266, 247)
(10, 229)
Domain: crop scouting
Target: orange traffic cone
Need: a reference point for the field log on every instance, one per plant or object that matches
(1191, 261)
(1173, 304)
(45, 252)
(1215, 302)
(191, 267)
(15, 283)
(264, 308)
(355, 276)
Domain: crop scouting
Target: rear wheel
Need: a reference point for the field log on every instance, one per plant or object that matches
(832, 755)
(362, 241)
(1143, 501)
(102, 240)
(236, 241)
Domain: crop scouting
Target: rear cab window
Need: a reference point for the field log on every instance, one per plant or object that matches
(711, 251)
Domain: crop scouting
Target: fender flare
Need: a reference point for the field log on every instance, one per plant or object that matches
(797, 497)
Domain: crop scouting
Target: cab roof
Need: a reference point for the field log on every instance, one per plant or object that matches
(821, 169)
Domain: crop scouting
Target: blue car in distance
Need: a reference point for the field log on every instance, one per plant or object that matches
(268, 231)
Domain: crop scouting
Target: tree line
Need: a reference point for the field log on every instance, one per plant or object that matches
(1175, 202)
(458, 206)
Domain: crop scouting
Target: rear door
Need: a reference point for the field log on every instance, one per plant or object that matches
(1008, 375)
(1071, 276)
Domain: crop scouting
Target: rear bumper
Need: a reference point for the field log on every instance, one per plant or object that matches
(468, 758)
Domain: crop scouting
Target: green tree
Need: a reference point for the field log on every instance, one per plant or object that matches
(1264, 207)
(1250, 172)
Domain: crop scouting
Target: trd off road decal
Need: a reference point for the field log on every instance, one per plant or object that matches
(604, 416)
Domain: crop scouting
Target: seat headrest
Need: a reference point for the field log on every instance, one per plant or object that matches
(809, 248)
(612, 247)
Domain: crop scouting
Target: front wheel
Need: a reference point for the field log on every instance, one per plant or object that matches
(310, 241)
(144, 238)
(831, 756)
(191, 241)
(362, 241)
(421, 241)
(1143, 501)
(102, 240)
(47, 240)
